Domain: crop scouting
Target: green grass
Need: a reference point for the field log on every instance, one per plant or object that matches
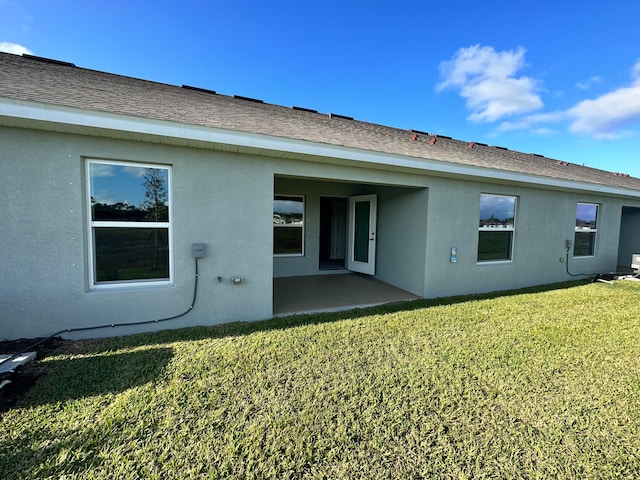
(534, 384)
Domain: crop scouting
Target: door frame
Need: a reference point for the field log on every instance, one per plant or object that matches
(362, 233)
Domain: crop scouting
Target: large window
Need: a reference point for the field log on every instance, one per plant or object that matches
(129, 224)
(496, 227)
(288, 225)
(586, 229)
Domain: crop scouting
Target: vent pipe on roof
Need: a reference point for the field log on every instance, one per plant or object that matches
(344, 117)
(249, 99)
(48, 60)
(304, 109)
(419, 132)
(198, 89)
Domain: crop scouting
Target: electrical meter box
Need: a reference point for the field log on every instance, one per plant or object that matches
(198, 250)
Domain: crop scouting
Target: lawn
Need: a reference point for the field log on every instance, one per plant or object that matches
(533, 384)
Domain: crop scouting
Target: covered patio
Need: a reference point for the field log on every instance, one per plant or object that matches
(322, 293)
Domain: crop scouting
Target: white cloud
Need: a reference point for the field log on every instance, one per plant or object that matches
(14, 48)
(587, 84)
(486, 79)
(136, 172)
(102, 170)
(607, 115)
(531, 122)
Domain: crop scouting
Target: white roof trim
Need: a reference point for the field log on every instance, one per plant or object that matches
(56, 114)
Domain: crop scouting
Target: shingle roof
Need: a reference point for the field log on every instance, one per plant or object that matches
(27, 78)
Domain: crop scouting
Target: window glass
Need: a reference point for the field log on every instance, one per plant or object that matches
(129, 223)
(497, 211)
(361, 231)
(586, 216)
(496, 227)
(129, 193)
(287, 241)
(586, 229)
(288, 225)
(125, 254)
(494, 246)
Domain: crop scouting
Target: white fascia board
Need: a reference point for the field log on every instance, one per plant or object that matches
(170, 130)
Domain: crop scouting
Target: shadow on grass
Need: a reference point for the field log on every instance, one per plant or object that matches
(297, 320)
(16, 459)
(112, 372)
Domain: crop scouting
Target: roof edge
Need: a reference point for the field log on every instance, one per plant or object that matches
(96, 121)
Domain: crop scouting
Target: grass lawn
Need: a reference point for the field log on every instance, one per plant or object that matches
(535, 384)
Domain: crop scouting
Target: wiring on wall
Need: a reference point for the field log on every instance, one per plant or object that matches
(112, 325)
(566, 264)
(599, 277)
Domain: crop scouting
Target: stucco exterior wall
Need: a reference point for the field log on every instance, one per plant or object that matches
(225, 200)
(545, 219)
(629, 236)
(220, 199)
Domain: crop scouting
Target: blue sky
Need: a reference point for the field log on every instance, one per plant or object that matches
(561, 78)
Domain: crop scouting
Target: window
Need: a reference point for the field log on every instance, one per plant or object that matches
(584, 244)
(288, 225)
(129, 225)
(496, 227)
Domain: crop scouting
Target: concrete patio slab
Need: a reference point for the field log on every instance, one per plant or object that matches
(321, 293)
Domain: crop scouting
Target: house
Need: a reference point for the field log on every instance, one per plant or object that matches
(111, 185)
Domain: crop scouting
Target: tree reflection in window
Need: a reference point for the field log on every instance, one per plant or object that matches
(129, 222)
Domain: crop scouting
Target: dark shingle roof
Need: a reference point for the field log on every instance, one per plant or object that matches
(26, 78)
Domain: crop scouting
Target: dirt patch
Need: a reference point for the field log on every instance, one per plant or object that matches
(26, 376)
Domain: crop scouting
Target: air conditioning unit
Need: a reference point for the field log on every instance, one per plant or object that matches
(635, 262)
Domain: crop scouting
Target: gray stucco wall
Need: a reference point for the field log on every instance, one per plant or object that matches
(402, 230)
(629, 235)
(226, 201)
(545, 219)
(44, 236)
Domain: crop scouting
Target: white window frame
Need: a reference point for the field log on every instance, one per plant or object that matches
(301, 226)
(587, 230)
(503, 228)
(91, 225)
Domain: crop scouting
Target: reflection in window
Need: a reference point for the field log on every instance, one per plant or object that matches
(496, 227)
(129, 223)
(288, 225)
(586, 229)
(131, 254)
